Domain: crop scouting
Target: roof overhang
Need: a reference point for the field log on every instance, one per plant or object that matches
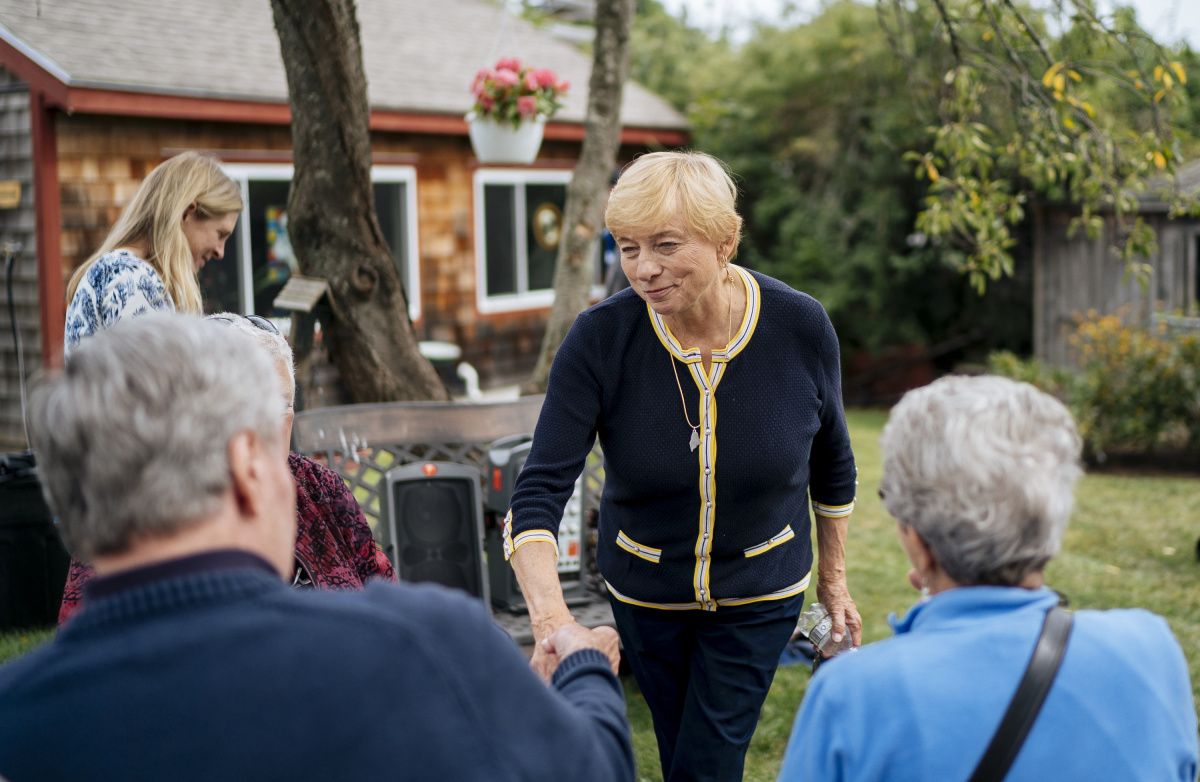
(30, 66)
(46, 77)
(90, 100)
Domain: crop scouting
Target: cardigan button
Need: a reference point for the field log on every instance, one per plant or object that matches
(708, 471)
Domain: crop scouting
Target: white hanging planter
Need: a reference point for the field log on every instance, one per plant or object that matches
(494, 142)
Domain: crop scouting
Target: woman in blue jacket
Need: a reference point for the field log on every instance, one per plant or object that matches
(979, 474)
(715, 393)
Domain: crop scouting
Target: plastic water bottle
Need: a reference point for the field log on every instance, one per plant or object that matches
(817, 624)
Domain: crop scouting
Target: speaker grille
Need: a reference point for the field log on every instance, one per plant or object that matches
(430, 510)
(437, 531)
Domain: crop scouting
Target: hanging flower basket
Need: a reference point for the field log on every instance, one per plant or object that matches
(502, 143)
(512, 103)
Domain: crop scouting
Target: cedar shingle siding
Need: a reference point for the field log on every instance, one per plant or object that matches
(17, 225)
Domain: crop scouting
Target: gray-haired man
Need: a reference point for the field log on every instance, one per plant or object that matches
(162, 453)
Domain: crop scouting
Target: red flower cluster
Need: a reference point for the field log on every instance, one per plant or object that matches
(512, 91)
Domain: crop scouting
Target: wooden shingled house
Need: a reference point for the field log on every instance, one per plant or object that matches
(95, 93)
(1074, 273)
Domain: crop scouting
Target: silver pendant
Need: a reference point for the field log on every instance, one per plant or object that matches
(695, 441)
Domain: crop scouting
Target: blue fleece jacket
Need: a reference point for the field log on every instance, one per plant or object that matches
(924, 704)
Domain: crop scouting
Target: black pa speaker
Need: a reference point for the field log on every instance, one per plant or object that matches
(33, 561)
(506, 459)
(435, 521)
(502, 579)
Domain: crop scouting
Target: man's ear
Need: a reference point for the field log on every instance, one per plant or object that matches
(244, 452)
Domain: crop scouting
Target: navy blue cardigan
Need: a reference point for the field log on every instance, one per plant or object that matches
(728, 523)
(229, 674)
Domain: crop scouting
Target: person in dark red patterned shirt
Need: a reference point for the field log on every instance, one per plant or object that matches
(335, 548)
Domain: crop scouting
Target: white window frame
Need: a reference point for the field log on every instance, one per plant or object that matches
(1192, 270)
(523, 299)
(283, 172)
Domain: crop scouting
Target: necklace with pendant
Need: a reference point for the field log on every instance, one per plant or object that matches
(694, 441)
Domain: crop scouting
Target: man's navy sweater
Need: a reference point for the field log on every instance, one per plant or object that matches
(693, 529)
(228, 674)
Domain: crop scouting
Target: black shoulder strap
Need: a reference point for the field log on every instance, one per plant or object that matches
(1027, 702)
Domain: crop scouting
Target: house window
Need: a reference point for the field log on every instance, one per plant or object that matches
(258, 256)
(518, 228)
(1195, 267)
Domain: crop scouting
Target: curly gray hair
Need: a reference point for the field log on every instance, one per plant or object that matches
(132, 438)
(983, 468)
(276, 345)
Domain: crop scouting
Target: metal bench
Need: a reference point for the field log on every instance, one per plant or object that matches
(362, 442)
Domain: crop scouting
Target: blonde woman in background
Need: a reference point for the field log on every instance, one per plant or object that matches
(178, 221)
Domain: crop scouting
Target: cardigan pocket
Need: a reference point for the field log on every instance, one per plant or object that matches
(783, 537)
(637, 549)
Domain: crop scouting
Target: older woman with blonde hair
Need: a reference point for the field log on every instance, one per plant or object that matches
(715, 393)
(179, 220)
(979, 474)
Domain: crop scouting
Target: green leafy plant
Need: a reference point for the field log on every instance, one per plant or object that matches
(1053, 380)
(1137, 388)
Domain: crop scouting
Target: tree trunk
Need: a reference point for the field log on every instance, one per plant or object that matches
(331, 206)
(589, 184)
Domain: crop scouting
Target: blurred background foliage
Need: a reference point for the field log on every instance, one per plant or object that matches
(1089, 116)
(832, 127)
(1136, 388)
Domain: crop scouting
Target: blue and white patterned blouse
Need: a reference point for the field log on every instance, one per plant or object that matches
(118, 285)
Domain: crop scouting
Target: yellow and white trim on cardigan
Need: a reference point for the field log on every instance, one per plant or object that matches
(637, 549)
(511, 544)
(779, 594)
(707, 383)
(783, 537)
(832, 511)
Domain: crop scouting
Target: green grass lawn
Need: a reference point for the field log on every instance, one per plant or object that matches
(13, 645)
(1130, 543)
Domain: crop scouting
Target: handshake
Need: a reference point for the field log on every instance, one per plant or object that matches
(571, 638)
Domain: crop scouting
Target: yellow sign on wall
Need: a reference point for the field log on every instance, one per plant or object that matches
(10, 193)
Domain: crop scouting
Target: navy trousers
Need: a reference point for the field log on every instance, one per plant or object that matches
(705, 675)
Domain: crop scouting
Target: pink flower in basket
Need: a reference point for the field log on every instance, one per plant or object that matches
(505, 78)
(512, 92)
